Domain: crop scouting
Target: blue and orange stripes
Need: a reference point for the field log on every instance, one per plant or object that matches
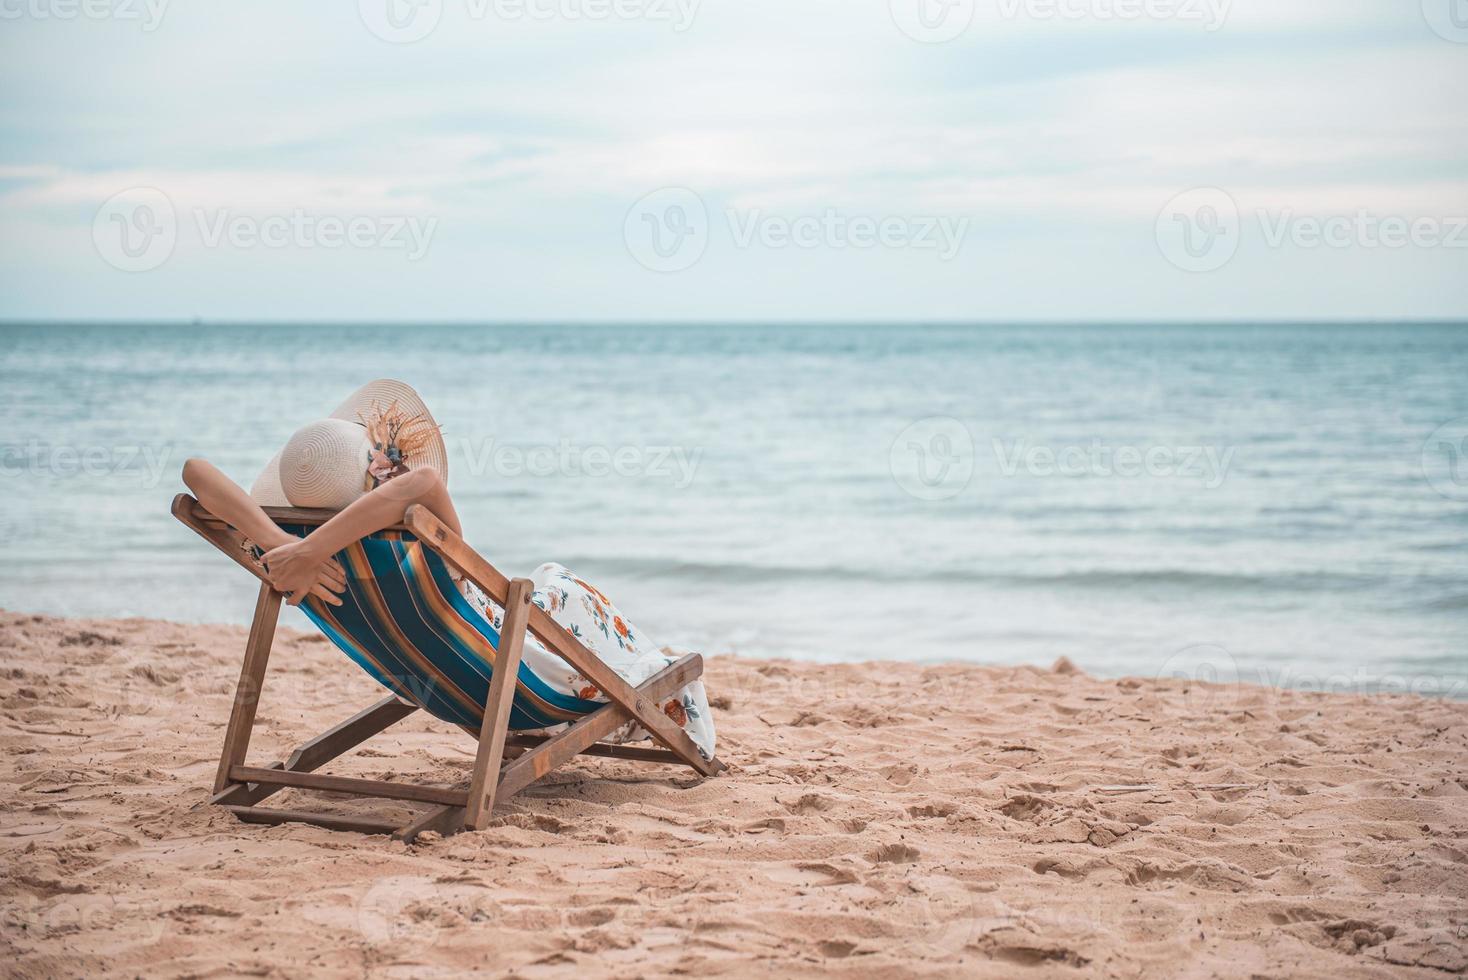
(404, 621)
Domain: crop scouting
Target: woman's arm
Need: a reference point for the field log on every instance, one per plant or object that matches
(226, 501)
(292, 561)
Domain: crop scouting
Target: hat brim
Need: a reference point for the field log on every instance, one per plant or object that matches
(267, 490)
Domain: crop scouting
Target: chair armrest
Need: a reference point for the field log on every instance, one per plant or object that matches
(186, 505)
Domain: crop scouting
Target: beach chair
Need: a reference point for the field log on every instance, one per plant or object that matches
(404, 621)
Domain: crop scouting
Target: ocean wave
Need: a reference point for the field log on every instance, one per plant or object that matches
(744, 573)
(1447, 603)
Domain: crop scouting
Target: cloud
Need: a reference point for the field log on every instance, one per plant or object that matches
(511, 131)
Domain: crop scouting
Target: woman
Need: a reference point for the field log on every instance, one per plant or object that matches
(377, 455)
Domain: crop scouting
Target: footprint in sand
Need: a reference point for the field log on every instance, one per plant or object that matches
(1064, 867)
(895, 854)
(941, 809)
(760, 826)
(898, 775)
(1024, 807)
(813, 874)
(1039, 955)
(809, 803)
(836, 949)
(86, 638)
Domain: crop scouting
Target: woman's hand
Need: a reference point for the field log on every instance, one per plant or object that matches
(298, 571)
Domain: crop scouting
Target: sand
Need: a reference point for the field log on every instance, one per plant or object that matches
(878, 820)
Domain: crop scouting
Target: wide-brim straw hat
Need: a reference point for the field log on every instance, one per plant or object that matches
(371, 399)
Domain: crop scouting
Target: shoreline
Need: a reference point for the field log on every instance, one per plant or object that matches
(1352, 681)
(879, 819)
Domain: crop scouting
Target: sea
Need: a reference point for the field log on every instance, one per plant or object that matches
(1273, 503)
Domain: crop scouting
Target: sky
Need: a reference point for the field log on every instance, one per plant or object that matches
(727, 160)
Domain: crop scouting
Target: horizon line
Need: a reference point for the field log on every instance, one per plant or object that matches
(764, 322)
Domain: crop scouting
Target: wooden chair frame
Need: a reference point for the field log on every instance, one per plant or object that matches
(516, 760)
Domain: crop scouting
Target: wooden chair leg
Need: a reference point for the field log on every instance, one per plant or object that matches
(331, 821)
(496, 725)
(446, 820)
(247, 690)
(322, 749)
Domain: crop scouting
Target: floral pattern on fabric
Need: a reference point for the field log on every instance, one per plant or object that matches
(586, 613)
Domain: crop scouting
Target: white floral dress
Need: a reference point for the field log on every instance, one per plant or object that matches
(587, 614)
